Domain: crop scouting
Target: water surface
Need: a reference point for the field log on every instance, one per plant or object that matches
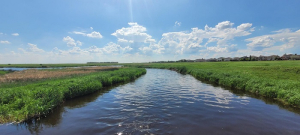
(164, 102)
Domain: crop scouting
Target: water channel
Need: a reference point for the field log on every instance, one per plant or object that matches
(165, 102)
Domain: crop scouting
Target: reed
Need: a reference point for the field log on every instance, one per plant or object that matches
(35, 74)
(36, 99)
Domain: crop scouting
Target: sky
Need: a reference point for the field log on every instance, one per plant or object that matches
(125, 31)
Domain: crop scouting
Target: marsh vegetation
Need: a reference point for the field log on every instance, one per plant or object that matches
(24, 98)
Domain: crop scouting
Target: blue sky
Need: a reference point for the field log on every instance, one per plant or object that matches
(77, 31)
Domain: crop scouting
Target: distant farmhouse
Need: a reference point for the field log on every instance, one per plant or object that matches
(100, 62)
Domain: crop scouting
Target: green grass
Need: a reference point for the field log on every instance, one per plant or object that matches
(273, 79)
(21, 102)
(2, 72)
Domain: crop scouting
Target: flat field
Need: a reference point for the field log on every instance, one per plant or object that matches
(274, 79)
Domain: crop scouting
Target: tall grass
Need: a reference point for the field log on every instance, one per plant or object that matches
(24, 102)
(275, 79)
(36, 74)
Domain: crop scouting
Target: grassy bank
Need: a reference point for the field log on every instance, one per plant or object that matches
(274, 79)
(23, 102)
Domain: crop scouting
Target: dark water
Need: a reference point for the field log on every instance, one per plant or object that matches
(165, 102)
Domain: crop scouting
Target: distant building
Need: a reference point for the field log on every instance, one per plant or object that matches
(220, 59)
(254, 58)
(235, 59)
(227, 59)
(295, 57)
(99, 62)
(200, 60)
(211, 60)
(286, 56)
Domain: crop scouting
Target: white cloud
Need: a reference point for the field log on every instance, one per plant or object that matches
(224, 25)
(193, 42)
(94, 34)
(15, 34)
(285, 37)
(1, 33)
(177, 23)
(71, 42)
(4, 42)
(126, 49)
(34, 48)
(245, 26)
(217, 49)
(135, 33)
(110, 48)
(79, 43)
(95, 49)
(91, 28)
(79, 33)
(153, 48)
(123, 40)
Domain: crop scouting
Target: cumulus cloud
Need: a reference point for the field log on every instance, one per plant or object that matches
(34, 48)
(193, 42)
(110, 48)
(285, 37)
(134, 33)
(177, 23)
(95, 49)
(15, 34)
(93, 34)
(217, 49)
(224, 25)
(4, 42)
(71, 42)
(120, 40)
